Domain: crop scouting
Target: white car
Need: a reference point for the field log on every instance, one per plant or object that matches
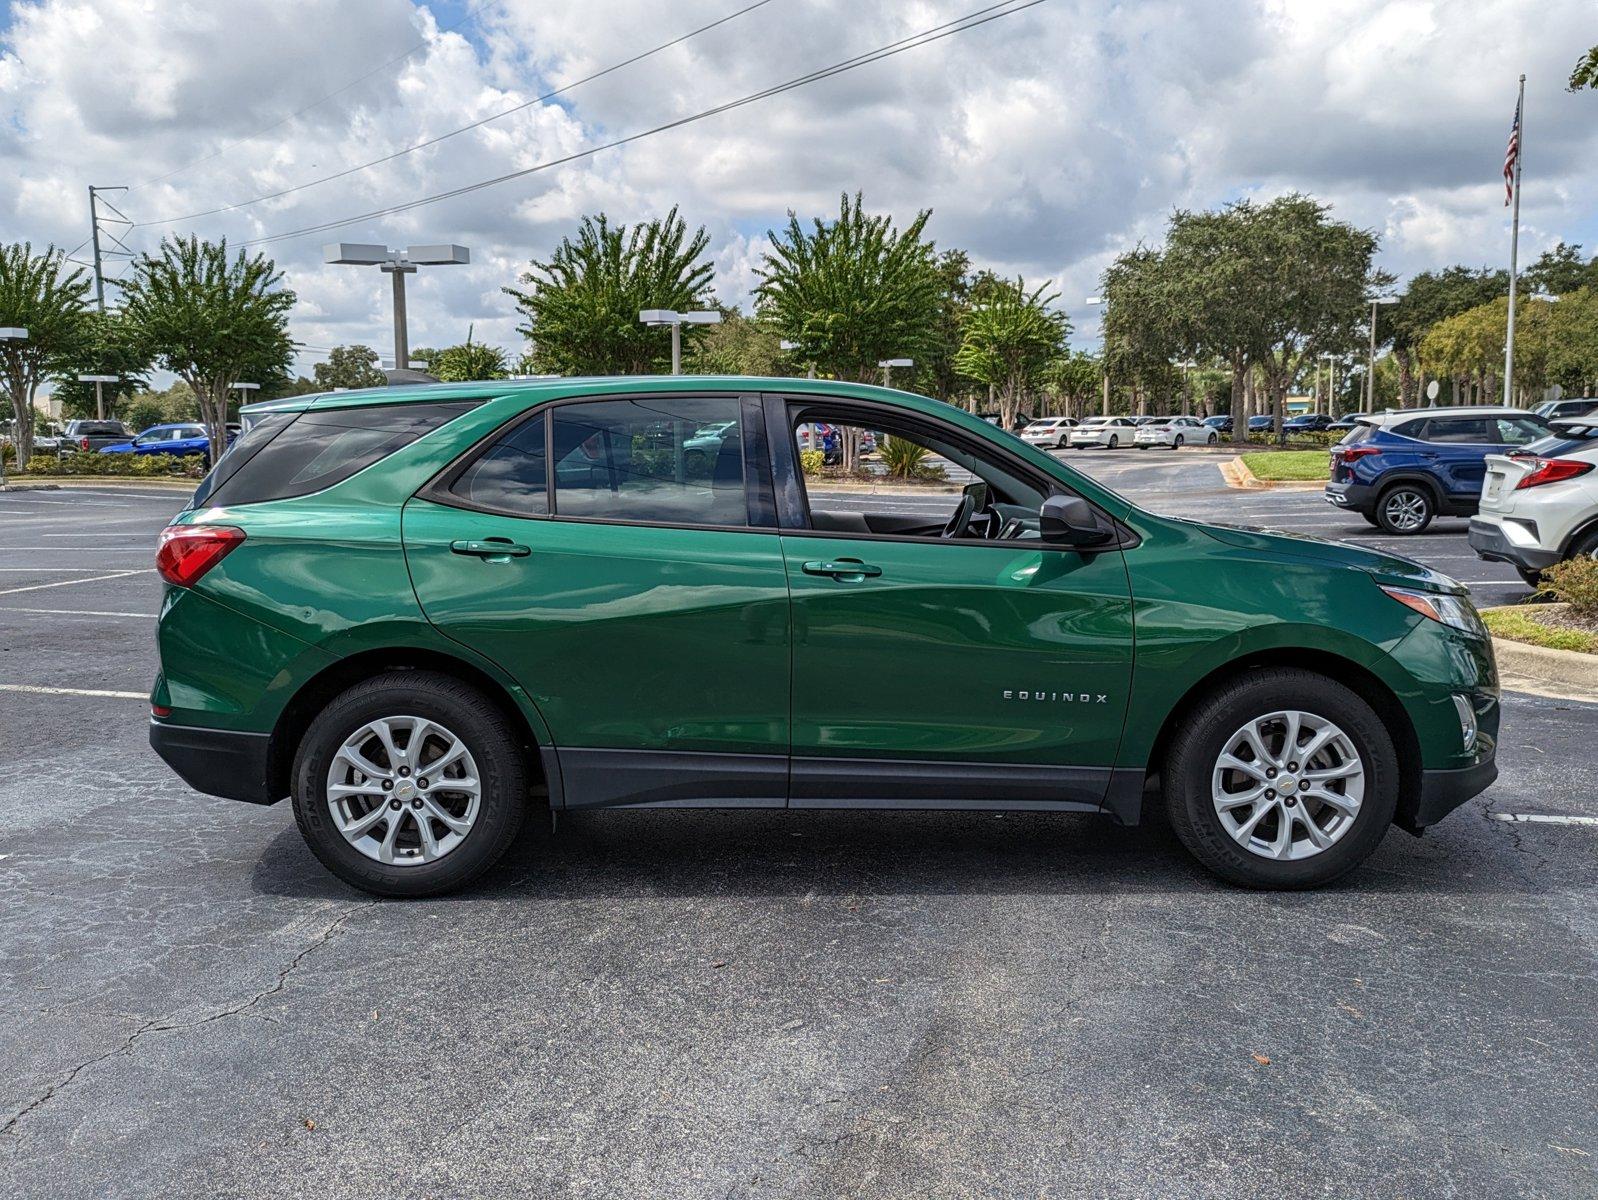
(1175, 432)
(1540, 506)
(1109, 432)
(1049, 431)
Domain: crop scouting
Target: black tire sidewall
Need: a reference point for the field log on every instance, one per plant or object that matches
(1192, 756)
(466, 713)
(1426, 498)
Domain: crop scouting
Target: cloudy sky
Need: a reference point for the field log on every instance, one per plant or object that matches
(1045, 142)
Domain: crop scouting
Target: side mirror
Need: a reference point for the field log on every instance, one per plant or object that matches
(1069, 521)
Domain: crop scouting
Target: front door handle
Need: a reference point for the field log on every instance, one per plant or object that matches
(851, 570)
(490, 548)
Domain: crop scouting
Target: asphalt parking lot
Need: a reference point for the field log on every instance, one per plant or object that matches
(825, 1004)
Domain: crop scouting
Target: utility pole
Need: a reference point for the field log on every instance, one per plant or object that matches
(94, 236)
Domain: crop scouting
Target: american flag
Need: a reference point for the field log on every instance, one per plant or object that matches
(1511, 153)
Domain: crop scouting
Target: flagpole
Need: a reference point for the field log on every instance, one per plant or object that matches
(1514, 244)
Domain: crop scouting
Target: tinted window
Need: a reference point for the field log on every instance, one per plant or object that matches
(1518, 431)
(311, 450)
(1411, 429)
(1462, 430)
(677, 460)
(511, 475)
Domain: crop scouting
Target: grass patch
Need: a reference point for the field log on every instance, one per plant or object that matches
(1518, 626)
(1280, 466)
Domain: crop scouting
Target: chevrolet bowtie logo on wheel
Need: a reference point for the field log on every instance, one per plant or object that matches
(1059, 697)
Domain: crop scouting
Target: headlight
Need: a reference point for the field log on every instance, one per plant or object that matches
(1456, 612)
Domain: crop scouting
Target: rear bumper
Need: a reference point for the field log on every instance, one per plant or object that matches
(1489, 541)
(1359, 497)
(1442, 791)
(218, 762)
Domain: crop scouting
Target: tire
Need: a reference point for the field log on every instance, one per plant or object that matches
(1114, 441)
(1370, 518)
(1178, 443)
(1212, 439)
(1193, 777)
(1405, 509)
(1533, 579)
(492, 755)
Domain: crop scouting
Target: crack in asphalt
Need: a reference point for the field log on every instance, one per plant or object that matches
(166, 1025)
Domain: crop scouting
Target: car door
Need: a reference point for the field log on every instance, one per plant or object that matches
(932, 671)
(641, 601)
(1461, 445)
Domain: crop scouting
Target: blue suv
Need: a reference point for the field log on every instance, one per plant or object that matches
(1398, 470)
(180, 439)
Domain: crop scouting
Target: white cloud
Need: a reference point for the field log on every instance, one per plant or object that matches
(1045, 143)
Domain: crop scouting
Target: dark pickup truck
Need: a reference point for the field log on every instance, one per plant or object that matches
(91, 435)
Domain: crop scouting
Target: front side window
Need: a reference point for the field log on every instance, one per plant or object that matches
(663, 459)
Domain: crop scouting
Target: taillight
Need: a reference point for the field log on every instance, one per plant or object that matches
(187, 552)
(83, 443)
(1350, 453)
(1552, 470)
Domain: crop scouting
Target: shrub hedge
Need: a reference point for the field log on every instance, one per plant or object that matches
(125, 466)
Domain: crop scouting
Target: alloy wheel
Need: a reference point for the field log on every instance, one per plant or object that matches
(404, 790)
(1288, 785)
(1405, 510)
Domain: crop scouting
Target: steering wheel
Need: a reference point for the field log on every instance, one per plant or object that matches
(962, 516)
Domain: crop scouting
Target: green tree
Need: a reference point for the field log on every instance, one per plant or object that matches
(349, 367)
(740, 345)
(1430, 297)
(1073, 380)
(108, 347)
(1560, 270)
(469, 361)
(210, 320)
(935, 372)
(1468, 348)
(852, 292)
(582, 305)
(1010, 340)
(38, 294)
(1586, 73)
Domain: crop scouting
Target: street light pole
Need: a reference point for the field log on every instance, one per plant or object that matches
(1370, 364)
(398, 263)
(666, 316)
(99, 396)
(1104, 300)
(887, 365)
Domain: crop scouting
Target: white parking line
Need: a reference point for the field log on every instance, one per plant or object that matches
(56, 691)
(36, 587)
(77, 612)
(1544, 818)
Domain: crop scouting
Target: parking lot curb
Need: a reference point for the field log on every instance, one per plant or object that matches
(1562, 674)
(1236, 473)
(35, 485)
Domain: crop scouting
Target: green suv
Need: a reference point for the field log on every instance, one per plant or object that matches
(419, 611)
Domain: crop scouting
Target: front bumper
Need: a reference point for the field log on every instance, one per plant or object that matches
(218, 762)
(1489, 541)
(1442, 791)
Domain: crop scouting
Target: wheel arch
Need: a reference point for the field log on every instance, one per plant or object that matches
(1589, 526)
(314, 694)
(1386, 483)
(1369, 686)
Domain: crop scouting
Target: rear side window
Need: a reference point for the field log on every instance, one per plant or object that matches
(676, 460)
(512, 475)
(1360, 433)
(1466, 431)
(294, 454)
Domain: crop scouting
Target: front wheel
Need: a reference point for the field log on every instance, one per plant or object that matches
(1114, 441)
(1405, 508)
(410, 784)
(1281, 778)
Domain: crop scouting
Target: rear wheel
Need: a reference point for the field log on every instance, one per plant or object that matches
(1370, 518)
(410, 784)
(1177, 444)
(1114, 441)
(1281, 779)
(1405, 508)
(1533, 579)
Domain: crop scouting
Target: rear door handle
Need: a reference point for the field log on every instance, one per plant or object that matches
(851, 569)
(490, 548)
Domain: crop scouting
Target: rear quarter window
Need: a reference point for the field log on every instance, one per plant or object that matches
(283, 455)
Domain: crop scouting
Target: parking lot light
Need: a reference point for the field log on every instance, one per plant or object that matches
(887, 365)
(99, 396)
(667, 316)
(398, 263)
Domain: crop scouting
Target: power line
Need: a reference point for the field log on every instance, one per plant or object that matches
(960, 25)
(450, 28)
(376, 162)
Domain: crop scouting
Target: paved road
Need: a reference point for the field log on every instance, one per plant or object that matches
(753, 1005)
